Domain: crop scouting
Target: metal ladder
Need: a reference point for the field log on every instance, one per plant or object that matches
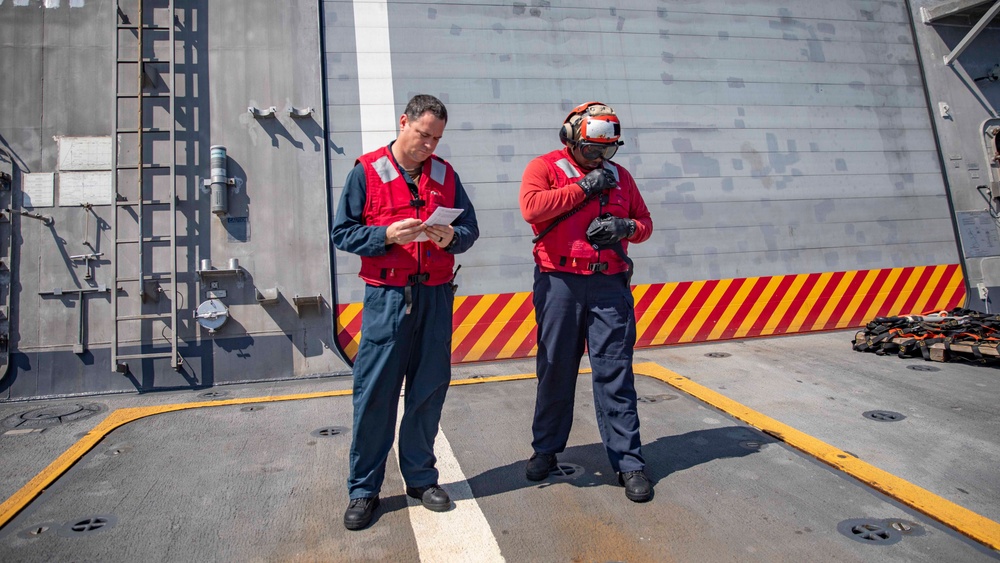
(143, 284)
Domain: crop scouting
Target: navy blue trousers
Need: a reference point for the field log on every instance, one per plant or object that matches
(394, 347)
(598, 310)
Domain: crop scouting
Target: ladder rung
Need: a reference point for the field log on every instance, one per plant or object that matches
(145, 166)
(127, 203)
(145, 27)
(150, 316)
(144, 130)
(144, 95)
(153, 239)
(150, 356)
(152, 277)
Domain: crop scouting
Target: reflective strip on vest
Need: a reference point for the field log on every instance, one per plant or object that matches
(568, 169)
(438, 170)
(386, 170)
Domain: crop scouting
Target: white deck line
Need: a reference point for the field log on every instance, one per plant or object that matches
(461, 534)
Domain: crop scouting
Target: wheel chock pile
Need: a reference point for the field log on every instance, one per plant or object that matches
(940, 337)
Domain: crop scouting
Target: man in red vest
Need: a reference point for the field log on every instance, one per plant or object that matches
(585, 210)
(406, 322)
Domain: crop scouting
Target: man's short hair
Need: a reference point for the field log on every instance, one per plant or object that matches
(423, 103)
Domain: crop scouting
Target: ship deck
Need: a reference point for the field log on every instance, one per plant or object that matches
(779, 449)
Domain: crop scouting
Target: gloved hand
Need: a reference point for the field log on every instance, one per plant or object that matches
(608, 229)
(596, 181)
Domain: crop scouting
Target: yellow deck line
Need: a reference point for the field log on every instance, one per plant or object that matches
(961, 519)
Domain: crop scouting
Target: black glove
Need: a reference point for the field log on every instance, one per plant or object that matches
(608, 229)
(596, 181)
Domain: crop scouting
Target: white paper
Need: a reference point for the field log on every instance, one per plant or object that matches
(85, 187)
(38, 189)
(441, 216)
(84, 153)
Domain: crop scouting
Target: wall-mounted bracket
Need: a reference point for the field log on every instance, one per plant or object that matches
(296, 112)
(207, 271)
(87, 258)
(303, 303)
(47, 219)
(79, 347)
(257, 112)
(267, 295)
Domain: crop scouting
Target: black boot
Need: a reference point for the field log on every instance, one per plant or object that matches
(637, 485)
(359, 512)
(539, 466)
(433, 497)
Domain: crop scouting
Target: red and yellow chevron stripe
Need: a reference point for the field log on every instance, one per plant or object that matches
(502, 326)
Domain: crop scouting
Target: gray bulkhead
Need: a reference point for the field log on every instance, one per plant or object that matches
(958, 45)
(767, 139)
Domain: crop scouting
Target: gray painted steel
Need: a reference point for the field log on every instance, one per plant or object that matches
(230, 56)
(767, 138)
(970, 153)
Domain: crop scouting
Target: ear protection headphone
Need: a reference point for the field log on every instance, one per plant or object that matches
(591, 121)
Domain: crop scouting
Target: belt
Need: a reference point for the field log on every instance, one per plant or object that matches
(592, 266)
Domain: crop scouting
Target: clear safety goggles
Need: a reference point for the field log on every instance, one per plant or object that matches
(594, 151)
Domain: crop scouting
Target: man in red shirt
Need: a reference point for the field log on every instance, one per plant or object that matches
(585, 210)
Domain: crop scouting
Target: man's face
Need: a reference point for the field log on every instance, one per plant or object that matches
(417, 139)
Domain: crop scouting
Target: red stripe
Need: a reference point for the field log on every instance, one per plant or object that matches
(661, 316)
(481, 324)
(840, 312)
(507, 333)
(895, 292)
(748, 304)
(647, 299)
(524, 349)
(798, 302)
(677, 331)
(937, 298)
(772, 303)
(821, 302)
(463, 310)
(909, 306)
(720, 308)
(872, 293)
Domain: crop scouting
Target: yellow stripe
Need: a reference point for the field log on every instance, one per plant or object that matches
(654, 308)
(883, 294)
(706, 309)
(730, 313)
(677, 313)
(826, 315)
(472, 318)
(496, 328)
(897, 305)
(961, 519)
(923, 303)
(810, 303)
(956, 285)
(517, 338)
(783, 304)
(758, 306)
(856, 299)
(120, 417)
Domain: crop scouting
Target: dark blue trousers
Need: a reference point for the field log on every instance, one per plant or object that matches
(598, 310)
(394, 347)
